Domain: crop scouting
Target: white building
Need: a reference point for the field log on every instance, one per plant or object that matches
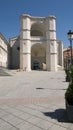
(37, 46)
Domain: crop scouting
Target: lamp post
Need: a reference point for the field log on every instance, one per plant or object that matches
(70, 37)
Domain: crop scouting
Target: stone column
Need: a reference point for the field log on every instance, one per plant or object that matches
(51, 45)
(61, 53)
(25, 43)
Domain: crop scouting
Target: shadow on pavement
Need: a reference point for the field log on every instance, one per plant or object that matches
(50, 88)
(59, 114)
(4, 73)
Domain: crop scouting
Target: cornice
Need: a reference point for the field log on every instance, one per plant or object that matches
(32, 40)
(52, 53)
(14, 38)
(50, 16)
(3, 48)
(50, 30)
(25, 52)
(24, 29)
(51, 39)
(37, 18)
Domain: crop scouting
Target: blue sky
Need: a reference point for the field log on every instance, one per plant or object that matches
(10, 10)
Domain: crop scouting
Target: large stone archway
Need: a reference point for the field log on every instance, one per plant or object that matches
(41, 30)
(38, 57)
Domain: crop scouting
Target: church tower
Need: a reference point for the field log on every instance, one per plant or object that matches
(51, 45)
(25, 43)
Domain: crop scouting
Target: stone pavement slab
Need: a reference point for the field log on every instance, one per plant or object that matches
(33, 101)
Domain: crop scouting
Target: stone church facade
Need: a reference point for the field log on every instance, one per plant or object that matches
(36, 48)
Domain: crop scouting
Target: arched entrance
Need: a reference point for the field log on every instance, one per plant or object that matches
(36, 65)
(38, 57)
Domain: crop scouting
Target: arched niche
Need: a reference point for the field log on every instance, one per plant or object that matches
(37, 29)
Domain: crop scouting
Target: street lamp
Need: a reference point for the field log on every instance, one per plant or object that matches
(70, 37)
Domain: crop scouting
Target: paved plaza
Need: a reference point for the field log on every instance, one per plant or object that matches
(33, 101)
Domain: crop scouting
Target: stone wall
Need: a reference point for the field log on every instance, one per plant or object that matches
(3, 52)
(14, 53)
